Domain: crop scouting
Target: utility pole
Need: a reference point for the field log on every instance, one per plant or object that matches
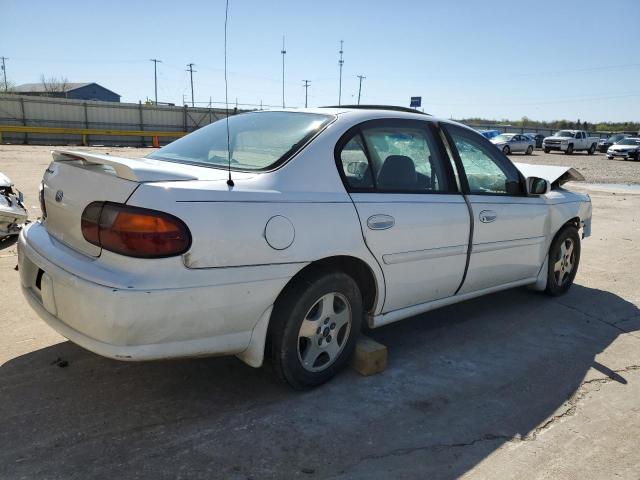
(155, 75)
(361, 77)
(306, 90)
(283, 52)
(4, 72)
(340, 62)
(191, 70)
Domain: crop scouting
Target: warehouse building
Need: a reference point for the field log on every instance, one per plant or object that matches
(77, 91)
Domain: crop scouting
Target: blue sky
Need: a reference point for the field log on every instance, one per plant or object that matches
(497, 59)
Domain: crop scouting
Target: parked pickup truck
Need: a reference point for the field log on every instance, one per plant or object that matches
(569, 141)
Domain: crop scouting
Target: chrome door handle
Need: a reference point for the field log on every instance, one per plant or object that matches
(380, 222)
(488, 216)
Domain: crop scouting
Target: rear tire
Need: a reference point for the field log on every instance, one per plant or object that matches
(564, 257)
(314, 328)
(592, 149)
(529, 150)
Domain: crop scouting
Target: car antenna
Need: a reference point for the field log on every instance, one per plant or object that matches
(226, 94)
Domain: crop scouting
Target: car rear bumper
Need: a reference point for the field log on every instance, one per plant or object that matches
(143, 324)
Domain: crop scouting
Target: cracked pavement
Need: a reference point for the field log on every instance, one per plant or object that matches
(513, 385)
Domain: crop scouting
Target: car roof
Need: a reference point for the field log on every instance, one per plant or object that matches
(375, 112)
(370, 111)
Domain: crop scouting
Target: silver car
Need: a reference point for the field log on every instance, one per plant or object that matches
(514, 142)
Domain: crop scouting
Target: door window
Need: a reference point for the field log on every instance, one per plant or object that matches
(486, 169)
(395, 156)
(355, 164)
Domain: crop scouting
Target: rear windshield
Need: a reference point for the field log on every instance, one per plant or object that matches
(257, 140)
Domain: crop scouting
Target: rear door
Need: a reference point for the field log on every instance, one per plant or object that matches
(413, 218)
(508, 226)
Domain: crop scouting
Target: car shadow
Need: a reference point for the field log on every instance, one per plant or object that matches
(9, 241)
(460, 382)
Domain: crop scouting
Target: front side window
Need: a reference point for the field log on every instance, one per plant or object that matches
(394, 156)
(257, 140)
(486, 170)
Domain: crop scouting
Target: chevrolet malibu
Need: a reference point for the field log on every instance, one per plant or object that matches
(280, 233)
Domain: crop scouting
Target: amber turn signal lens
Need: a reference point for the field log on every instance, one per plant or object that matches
(134, 231)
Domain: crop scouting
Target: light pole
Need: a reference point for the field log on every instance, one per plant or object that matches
(306, 91)
(361, 77)
(155, 76)
(4, 72)
(283, 52)
(191, 70)
(340, 62)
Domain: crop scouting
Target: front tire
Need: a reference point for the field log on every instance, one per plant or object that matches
(529, 150)
(547, 150)
(314, 328)
(569, 150)
(506, 150)
(564, 257)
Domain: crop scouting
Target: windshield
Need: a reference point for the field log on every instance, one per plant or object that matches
(615, 138)
(490, 133)
(502, 138)
(564, 133)
(258, 140)
(629, 141)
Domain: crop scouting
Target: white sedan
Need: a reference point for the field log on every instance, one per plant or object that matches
(282, 234)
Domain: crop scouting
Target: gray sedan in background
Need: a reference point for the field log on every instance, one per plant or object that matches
(514, 142)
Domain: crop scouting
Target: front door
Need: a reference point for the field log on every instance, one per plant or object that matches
(509, 241)
(413, 218)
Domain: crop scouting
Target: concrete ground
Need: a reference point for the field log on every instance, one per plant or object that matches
(512, 385)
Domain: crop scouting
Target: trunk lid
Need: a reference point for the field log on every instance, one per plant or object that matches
(75, 179)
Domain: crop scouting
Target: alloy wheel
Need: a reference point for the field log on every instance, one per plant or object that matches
(564, 265)
(324, 332)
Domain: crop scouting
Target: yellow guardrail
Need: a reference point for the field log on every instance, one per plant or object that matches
(85, 132)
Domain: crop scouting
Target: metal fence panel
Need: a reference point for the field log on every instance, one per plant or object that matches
(67, 113)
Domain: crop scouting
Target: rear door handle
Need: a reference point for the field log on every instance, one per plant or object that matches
(488, 216)
(380, 222)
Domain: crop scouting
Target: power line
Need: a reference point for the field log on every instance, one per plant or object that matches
(340, 63)
(306, 91)
(191, 70)
(283, 52)
(361, 77)
(155, 75)
(4, 72)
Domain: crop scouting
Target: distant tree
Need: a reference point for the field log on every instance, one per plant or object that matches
(54, 84)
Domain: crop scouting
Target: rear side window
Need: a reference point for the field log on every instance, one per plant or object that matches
(486, 169)
(355, 164)
(396, 157)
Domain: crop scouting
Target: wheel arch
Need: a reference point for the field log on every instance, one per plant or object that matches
(370, 287)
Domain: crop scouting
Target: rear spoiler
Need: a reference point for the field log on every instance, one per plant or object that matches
(140, 170)
(550, 173)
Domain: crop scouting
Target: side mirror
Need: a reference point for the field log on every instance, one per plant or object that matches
(537, 186)
(352, 167)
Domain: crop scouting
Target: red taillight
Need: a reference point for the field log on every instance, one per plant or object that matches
(134, 231)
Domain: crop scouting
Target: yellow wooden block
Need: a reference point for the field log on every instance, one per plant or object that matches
(370, 357)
